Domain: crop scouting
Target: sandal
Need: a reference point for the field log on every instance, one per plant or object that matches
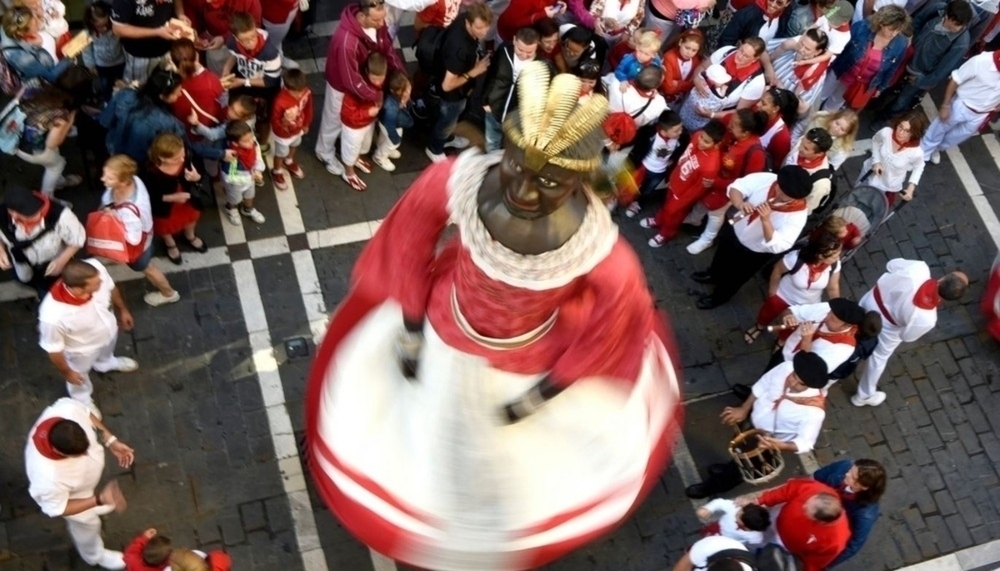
(751, 335)
(200, 249)
(178, 260)
(355, 182)
(363, 166)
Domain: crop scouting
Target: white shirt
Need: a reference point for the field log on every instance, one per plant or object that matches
(709, 546)
(795, 288)
(78, 329)
(658, 158)
(751, 90)
(68, 231)
(897, 287)
(632, 101)
(792, 422)
(728, 526)
(135, 226)
(53, 483)
(895, 165)
(787, 225)
(977, 81)
(834, 354)
(837, 40)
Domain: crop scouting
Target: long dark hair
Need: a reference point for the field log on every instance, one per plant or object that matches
(819, 246)
(787, 104)
(161, 82)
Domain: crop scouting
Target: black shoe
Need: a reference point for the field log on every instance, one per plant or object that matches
(698, 491)
(708, 302)
(742, 391)
(703, 277)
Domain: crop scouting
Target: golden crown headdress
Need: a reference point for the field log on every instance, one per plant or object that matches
(550, 119)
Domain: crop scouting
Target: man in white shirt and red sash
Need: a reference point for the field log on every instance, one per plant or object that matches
(773, 212)
(908, 298)
(969, 100)
(78, 329)
(827, 329)
(64, 461)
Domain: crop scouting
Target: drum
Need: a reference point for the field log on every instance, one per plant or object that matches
(758, 465)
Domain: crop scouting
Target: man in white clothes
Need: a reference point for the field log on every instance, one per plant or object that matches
(907, 297)
(745, 524)
(969, 99)
(78, 329)
(64, 461)
(827, 329)
(715, 552)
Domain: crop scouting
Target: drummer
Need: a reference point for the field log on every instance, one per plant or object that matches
(786, 402)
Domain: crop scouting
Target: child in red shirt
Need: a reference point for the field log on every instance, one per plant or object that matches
(149, 551)
(679, 63)
(689, 181)
(358, 118)
(290, 119)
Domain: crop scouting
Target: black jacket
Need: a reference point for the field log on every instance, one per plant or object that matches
(747, 22)
(500, 81)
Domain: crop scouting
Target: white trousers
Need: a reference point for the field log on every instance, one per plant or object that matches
(384, 143)
(276, 33)
(85, 530)
(102, 360)
(54, 165)
(355, 142)
(962, 123)
(888, 340)
(329, 125)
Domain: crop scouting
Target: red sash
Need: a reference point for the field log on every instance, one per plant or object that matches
(877, 294)
(844, 337)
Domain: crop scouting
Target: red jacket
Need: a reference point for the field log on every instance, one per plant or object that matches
(206, 90)
(354, 112)
(215, 20)
(285, 101)
(520, 14)
(348, 52)
(674, 84)
(736, 163)
(816, 543)
(277, 11)
(219, 561)
(133, 556)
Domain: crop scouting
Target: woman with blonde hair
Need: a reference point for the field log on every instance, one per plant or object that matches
(171, 179)
(842, 126)
(29, 52)
(188, 560)
(123, 187)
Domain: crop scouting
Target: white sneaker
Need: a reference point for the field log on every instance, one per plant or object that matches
(233, 216)
(874, 400)
(394, 154)
(127, 364)
(333, 166)
(384, 163)
(648, 222)
(457, 142)
(252, 214)
(157, 299)
(936, 158)
(435, 157)
(633, 210)
(288, 63)
(698, 246)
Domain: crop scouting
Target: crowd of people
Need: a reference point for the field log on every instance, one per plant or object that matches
(743, 114)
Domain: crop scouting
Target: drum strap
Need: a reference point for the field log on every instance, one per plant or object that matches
(818, 401)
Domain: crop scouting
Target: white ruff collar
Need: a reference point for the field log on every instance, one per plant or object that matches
(578, 256)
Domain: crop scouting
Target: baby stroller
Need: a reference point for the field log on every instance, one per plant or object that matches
(867, 209)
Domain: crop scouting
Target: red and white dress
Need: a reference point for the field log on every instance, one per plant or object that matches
(425, 471)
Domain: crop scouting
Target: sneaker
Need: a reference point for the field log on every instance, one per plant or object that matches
(259, 183)
(128, 365)
(874, 400)
(279, 179)
(936, 158)
(648, 222)
(698, 246)
(457, 142)
(633, 210)
(384, 163)
(233, 216)
(394, 154)
(157, 299)
(435, 157)
(69, 181)
(252, 214)
(656, 241)
(333, 166)
(288, 63)
(294, 169)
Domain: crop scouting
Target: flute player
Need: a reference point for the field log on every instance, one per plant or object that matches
(772, 213)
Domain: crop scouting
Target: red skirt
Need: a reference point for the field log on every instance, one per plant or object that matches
(181, 214)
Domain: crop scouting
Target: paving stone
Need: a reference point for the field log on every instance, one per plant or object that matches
(232, 530)
(943, 426)
(959, 532)
(945, 505)
(942, 536)
(253, 516)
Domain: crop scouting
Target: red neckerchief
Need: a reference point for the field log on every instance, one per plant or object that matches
(845, 337)
(711, 529)
(845, 27)
(815, 272)
(810, 75)
(927, 296)
(252, 53)
(810, 164)
(60, 292)
(794, 205)
(246, 157)
(911, 143)
(32, 222)
(818, 401)
(739, 74)
(647, 94)
(996, 59)
(41, 439)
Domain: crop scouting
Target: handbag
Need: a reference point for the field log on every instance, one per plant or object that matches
(201, 198)
(857, 95)
(106, 235)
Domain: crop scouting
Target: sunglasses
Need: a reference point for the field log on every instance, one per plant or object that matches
(372, 4)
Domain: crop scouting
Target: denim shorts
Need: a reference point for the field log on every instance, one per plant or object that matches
(142, 263)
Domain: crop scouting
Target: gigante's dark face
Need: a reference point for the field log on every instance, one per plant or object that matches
(533, 194)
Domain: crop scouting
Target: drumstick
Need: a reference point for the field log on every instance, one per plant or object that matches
(741, 214)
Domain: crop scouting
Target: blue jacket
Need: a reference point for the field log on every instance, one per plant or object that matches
(861, 37)
(860, 517)
(132, 126)
(393, 117)
(630, 67)
(29, 61)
